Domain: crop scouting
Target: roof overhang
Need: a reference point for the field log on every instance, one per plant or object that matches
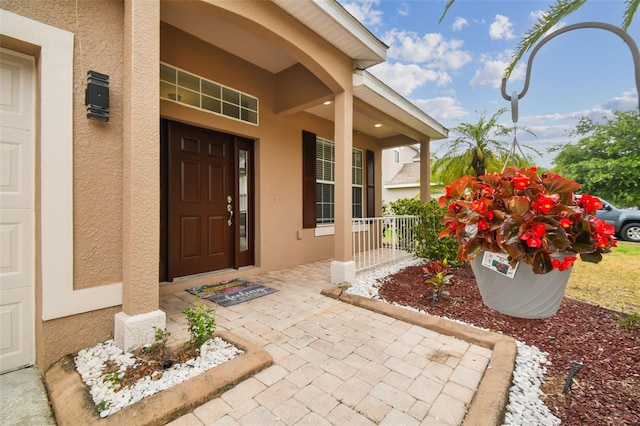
(331, 21)
(373, 92)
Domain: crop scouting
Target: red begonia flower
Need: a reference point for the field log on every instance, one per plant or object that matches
(565, 222)
(544, 203)
(520, 182)
(479, 206)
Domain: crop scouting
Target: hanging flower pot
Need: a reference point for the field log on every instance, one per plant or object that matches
(535, 220)
(519, 292)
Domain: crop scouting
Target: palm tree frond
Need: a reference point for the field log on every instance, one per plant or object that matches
(446, 9)
(629, 12)
(476, 149)
(554, 15)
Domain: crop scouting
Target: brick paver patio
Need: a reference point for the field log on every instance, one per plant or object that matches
(335, 363)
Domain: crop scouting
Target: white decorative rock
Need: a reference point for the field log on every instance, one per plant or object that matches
(90, 363)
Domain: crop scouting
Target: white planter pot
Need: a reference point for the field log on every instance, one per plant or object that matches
(526, 295)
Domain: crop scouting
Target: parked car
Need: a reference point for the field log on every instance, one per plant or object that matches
(626, 221)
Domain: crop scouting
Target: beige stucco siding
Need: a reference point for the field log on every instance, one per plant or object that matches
(97, 147)
(280, 239)
(97, 169)
(102, 216)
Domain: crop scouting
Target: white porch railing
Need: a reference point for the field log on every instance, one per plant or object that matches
(381, 240)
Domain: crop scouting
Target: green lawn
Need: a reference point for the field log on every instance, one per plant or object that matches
(614, 282)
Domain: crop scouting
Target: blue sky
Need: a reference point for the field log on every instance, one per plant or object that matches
(453, 70)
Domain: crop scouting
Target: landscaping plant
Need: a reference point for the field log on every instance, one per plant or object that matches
(201, 322)
(427, 246)
(528, 216)
(437, 274)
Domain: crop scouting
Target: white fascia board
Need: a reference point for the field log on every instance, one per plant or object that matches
(338, 13)
(374, 92)
(334, 23)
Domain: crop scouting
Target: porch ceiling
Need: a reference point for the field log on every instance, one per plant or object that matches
(225, 35)
(374, 102)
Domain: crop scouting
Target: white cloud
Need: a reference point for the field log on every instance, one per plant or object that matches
(431, 49)
(625, 102)
(552, 131)
(501, 28)
(555, 117)
(405, 78)
(364, 11)
(459, 23)
(557, 128)
(404, 9)
(492, 68)
(443, 108)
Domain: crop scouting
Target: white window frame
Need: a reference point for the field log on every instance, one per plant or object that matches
(228, 98)
(327, 228)
(357, 171)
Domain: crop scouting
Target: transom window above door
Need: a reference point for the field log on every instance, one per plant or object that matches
(189, 89)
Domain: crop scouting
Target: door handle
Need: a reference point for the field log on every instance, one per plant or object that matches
(230, 210)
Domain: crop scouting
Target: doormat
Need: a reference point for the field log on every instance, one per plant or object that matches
(231, 292)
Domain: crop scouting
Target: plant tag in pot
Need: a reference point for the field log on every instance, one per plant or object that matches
(498, 262)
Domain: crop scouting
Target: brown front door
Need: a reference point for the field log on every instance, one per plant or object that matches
(203, 191)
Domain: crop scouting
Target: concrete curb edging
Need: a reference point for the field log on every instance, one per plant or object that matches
(491, 397)
(72, 403)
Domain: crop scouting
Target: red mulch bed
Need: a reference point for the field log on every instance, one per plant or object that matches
(606, 391)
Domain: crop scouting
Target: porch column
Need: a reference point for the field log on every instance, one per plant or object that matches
(425, 172)
(343, 268)
(141, 157)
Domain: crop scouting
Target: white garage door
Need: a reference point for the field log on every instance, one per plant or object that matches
(17, 244)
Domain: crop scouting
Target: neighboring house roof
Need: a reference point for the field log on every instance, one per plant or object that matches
(407, 176)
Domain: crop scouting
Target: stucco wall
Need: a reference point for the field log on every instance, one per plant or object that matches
(97, 170)
(281, 240)
(97, 146)
(98, 153)
(98, 149)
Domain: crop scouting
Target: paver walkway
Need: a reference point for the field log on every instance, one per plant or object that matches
(335, 363)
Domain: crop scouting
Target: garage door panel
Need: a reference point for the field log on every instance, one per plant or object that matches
(17, 245)
(16, 96)
(15, 241)
(16, 180)
(15, 319)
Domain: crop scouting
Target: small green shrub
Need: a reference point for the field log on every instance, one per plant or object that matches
(102, 406)
(630, 321)
(436, 274)
(201, 321)
(114, 378)
(427, 246)
(160, 339)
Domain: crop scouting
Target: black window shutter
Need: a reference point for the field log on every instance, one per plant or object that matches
(308, 179)
(371, 185)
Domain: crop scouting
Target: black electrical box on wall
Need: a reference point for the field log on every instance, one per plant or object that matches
(96, 96)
